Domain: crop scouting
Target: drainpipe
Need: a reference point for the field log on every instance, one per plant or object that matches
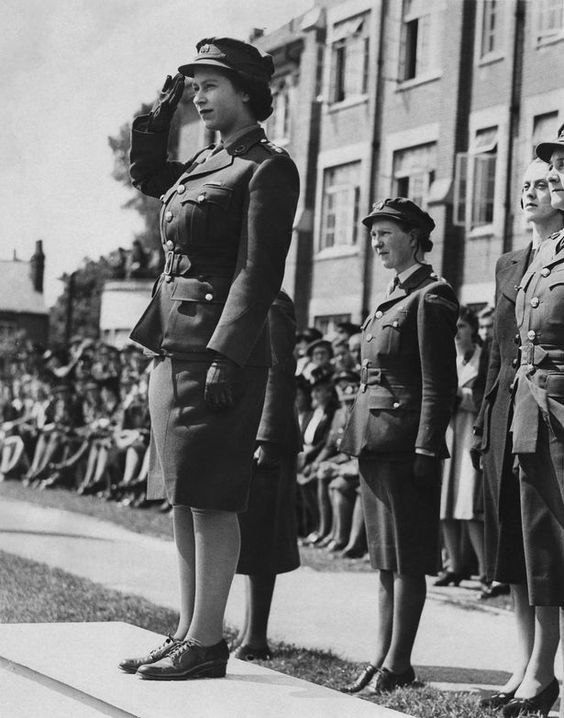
(375, 111)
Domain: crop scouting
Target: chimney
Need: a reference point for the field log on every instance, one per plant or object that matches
(37, 266)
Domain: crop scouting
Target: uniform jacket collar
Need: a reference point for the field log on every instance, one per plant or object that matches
(414, 281)
(238, 146)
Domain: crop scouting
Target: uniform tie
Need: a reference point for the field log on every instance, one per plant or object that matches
(392, 285)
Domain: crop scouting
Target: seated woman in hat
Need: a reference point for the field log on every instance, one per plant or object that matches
(397, 429)
(226, 224)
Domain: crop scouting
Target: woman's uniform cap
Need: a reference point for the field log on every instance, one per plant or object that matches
(231, 54)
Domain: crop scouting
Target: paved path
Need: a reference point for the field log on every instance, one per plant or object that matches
(457, 647)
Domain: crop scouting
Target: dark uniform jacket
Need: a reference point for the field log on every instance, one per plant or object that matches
(279, 421)
(539, 311)
(226, 224)
(408, 371)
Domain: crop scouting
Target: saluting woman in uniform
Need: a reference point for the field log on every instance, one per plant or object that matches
(397, 429)
(226, 224)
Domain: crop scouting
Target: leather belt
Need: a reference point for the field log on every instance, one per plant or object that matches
(535, 356)
(176, 263)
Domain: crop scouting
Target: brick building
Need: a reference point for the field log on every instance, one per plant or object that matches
(442, 101)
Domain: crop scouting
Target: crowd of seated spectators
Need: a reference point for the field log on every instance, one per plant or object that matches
(79, 420)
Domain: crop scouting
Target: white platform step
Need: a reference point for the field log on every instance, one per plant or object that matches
(69, 670)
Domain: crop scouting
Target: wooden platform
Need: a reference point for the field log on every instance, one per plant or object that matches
(69, 670)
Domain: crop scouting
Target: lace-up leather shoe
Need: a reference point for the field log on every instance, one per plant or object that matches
(130, 665)
(385, 681)
(188, 660)
(361, 680)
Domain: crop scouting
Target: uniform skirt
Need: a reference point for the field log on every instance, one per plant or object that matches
(542, 511)
(202, 456)
(269, 542)
(402, 518)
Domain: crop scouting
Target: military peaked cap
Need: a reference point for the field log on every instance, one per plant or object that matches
(545, 149)
(231, 54)
(402, 209)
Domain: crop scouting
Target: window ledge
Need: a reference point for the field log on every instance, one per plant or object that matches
(347, 250)
(491, 58)
(546, 41)
(416, 81)
(350, 102)
(484, 231)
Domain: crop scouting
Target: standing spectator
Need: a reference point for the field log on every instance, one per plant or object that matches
(397, 429)
(268, 526)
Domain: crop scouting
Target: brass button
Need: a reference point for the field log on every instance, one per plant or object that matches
(368, 337)
(168, 215)
(168, 278)
(208, 297)
(545, 271)
(395, 324)
(181, 189)
(365, 362)
(535, 301)
(396, 404)
(170, 244)
(201, 198)
(517, 339)
(514, 363)
(379, 314)
(531, 334)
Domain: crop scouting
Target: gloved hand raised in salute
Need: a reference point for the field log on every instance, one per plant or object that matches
(165, 106)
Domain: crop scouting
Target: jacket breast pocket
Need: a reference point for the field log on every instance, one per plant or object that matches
(204, 207)
(389, 341)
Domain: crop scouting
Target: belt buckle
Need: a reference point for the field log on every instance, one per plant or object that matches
(363, 377)
(528, 357)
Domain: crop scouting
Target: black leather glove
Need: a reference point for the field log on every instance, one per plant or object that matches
(164, 108)
(223, 383)
(267, 455)
(427, 471)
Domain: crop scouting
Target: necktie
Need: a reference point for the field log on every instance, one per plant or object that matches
(392, 285)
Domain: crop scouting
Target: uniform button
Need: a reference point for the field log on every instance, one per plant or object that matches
(545, 271)
(535, 301)
(168, 278)
(201, 198)
(395, 324)
(208, 297)
(517, 339)
(170, 244)
(181, 189)
(514, 363)
(365, 362)
(531, 334)
(162, 197)
(396, 404)
(368, 337)
(168, 215)
(379, 314)
(201, 278)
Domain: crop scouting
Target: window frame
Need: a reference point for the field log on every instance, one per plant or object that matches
(474, 205)
(349, 35)
(544, 36)
(348, 195)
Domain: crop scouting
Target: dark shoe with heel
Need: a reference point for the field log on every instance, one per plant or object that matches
(248, 653)
(130, 665)
(497, 700)
(385, 681)
(538, 705)
(361, 681)
(188, 660)
(448, 578)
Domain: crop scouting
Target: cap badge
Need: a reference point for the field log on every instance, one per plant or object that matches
(204, 49)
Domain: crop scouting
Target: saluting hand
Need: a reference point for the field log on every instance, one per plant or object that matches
(164, 108)
(223, 382)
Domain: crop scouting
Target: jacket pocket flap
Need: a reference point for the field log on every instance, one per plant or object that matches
(190, 289)
(208, 194)
(555, 384)
(381, 398)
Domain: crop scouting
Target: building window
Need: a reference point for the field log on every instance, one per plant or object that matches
(327, 324)
(414, 172)
(550, 19)
(545, 127)
(350, 59)
(491, 27)
(341, 205)
(278, 124)
(474, 192)
(418, 54)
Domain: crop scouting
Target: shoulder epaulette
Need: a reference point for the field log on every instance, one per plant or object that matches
(267, 144)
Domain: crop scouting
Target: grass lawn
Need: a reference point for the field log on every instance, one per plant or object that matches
(31, 592)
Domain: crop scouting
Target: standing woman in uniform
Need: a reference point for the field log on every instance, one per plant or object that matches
(533, 662)
(397, 429)
(226, 224)
(538, 441)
